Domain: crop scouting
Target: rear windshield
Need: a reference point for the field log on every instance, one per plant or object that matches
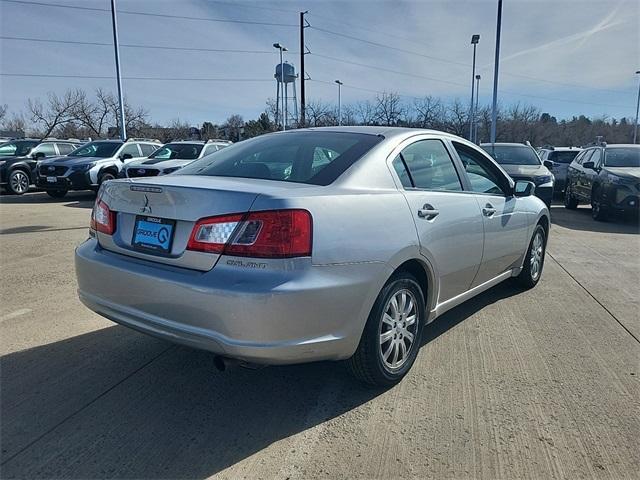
(622, 157)
(178, 151)
(512, 154)
(313, 157)
(566, 156)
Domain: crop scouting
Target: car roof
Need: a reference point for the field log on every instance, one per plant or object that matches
(504, 144)
(386, 132)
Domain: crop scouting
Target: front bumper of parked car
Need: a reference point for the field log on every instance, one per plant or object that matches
(258, 316)
(68, 180)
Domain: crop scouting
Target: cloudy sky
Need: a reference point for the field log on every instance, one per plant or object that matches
(567, 57)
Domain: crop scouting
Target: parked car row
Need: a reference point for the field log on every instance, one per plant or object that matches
(58, 166)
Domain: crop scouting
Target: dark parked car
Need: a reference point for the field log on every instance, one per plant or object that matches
(521, 162)
(560, 158)
(607, 177)
(19, 159)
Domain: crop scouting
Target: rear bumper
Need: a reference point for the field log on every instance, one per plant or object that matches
(271, 317)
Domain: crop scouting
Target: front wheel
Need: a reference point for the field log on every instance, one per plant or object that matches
(598, 210)
(56, 193)
(18, 182)
(570, 201)
(105, 177)
(534, 259)
(391, 337)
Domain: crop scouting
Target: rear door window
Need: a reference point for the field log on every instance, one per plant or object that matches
(430, 167)
(65, 148)
(131, 149)
(148, 149)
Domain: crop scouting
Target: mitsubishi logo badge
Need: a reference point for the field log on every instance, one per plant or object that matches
(146, 208)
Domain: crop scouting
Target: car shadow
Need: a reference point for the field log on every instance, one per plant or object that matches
(71, 199)
(580, 219)
(116, 403)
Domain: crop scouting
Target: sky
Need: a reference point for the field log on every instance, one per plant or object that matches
(567, 57)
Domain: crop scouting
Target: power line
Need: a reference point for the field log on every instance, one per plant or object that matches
(111, 77)
(130, 45)
(149, 14)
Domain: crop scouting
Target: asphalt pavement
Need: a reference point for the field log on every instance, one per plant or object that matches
(512, 384)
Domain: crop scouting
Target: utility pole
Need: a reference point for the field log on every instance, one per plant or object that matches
(303, 99)
(474, 41)
(494, 106)
(123, 131)
(635, 128)
(339, 102)
(475, 110)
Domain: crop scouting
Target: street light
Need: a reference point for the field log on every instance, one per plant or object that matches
(339, 102)
(475, 110)
(116, 49)
(635, 128)
(281, 84)
(496, 62)
(474, 41)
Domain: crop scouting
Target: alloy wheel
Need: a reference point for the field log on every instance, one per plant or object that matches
(537, 254)
(19, 182)
(398, 329)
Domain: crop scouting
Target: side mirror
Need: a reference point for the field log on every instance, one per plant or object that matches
(126, 156)
(589, 165)
(523, 188)
(549, 164)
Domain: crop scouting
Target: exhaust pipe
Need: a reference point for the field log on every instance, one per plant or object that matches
(224, 363)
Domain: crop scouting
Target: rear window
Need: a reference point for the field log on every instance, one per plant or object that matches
(566, 156)
(317, 158)
(512, 154)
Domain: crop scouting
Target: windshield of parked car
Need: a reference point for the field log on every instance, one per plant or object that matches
(312, 157)
(96, 149)
(512, 154)
(563, 156)
(17, 149)
(179, 151)
(622, 157)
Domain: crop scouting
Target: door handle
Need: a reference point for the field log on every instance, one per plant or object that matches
(488, 210)
(428, 212)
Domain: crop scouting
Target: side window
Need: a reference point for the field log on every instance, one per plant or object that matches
(131, 149)
(595, 158)
(47, 149)
(209, 149)
(482, 178)
(148, 149)
(65, 148)
(430, 166)
(585, 157)
(398, 166)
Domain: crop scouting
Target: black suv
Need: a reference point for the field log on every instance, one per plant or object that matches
(607, 177)
(19, 158)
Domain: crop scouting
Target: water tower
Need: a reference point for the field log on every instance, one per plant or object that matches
(283, 80)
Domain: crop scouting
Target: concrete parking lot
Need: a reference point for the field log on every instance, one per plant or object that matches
(536, 384)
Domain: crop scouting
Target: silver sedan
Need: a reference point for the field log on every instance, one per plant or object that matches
(317, 244)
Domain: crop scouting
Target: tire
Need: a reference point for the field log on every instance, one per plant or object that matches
(570, 202)
(18, 182)
(105, 176)
(599, 212)
(534, 259)
(368, 363)
(56, 193)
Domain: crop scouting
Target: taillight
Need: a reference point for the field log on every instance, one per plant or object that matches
(267, 234)
(103, 219)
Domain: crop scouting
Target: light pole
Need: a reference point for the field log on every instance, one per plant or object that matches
(339, 102)
(494, 105)
(123, 130)
(475, 110)
(281, 85)
(635, 128)
(474, 41)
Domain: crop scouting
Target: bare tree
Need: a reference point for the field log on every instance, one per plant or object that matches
(457, 118)
(233, 127)
(365, 113)
(320, 114)
(3, 113)
(429, 112)
(389, 109)
(57, 111)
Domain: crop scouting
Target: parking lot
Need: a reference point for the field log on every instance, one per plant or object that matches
(536, 384)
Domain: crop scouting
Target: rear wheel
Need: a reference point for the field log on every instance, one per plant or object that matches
(599, 211)
(18, 182)
(391, 337)
(56, 193)
(570, 201)
(534, 259)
